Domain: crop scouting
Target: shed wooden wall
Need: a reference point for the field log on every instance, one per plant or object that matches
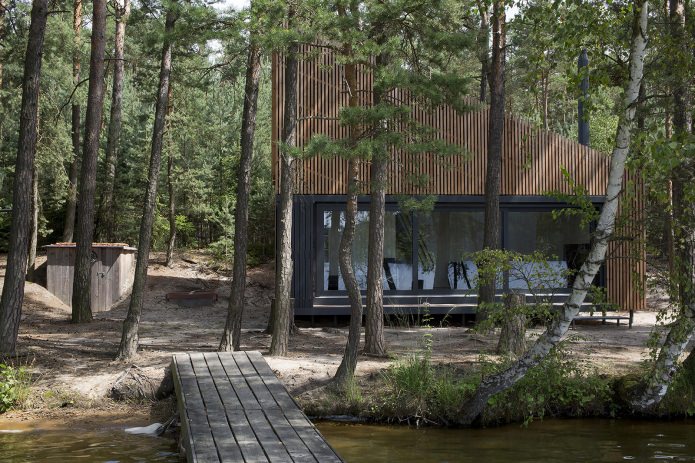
(112, 274)
(532, 158)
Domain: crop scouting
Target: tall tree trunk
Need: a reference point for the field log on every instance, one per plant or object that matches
(374, 342)
(232, 330)
(107, 209)
(71, 206)
(346, 369)
(282, 313)
(34, 237)
(18, 243)
(493, 177)
(484, 49)
(683, 221)
(81, 289)
(3, 6)
(556, 330)
(171, 243)
(130, 338)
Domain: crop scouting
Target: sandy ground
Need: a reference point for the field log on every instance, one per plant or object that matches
(75, 363)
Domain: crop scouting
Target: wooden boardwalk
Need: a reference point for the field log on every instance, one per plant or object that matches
(234, 409)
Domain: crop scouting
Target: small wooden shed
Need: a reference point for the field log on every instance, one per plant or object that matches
(112, 272)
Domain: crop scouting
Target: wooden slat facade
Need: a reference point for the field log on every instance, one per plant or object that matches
(532, 159)
(112, 273)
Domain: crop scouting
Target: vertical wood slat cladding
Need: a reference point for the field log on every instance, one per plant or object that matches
(532, 159)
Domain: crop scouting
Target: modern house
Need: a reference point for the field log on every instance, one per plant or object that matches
(425, 255)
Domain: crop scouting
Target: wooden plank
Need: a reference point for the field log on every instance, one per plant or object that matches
(318, 446)
(258, 387)
(272, 446)
(248, 443)
(279, 392)
(217, 425)
(222, 382)
(294, 444)
(242, 389)
(197, 437)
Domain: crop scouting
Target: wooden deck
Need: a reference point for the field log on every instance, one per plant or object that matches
(234, 409)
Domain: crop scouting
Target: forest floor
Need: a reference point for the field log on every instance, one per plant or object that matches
(74, 368)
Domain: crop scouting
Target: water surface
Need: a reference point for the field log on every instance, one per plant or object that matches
(549, 441)
(77, 445)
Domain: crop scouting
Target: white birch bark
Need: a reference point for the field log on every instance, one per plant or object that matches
(606, 223)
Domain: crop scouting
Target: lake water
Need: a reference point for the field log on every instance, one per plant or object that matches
(542, 441)
(78, 445)
(549, 441)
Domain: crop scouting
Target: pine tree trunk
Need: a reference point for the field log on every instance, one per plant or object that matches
(81, 289)
(499, 382)
(232, 331)
(513, 334)
(2, 60)
(171, 243)
(374, 342)
(34, 238)
(683, 222)
(493, 176)
(346, 369)
(18, 243)
(282, 315)
(71, 206)
(171, 207)
(484, 49)
(107, 209)
(130, 338)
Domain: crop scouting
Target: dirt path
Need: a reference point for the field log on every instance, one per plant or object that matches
(75, 362)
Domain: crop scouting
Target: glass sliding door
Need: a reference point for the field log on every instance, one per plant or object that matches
(397, 264)
(563, 240)
(446, 238)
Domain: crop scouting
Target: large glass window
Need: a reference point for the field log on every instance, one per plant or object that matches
(562, 239)
(397, 265)
(445, 240)
(431, 250)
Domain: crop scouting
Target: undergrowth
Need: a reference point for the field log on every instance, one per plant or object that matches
(14, 386)
(420, 392)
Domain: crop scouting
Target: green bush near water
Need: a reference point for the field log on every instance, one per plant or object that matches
(14, 386)
(419, 392)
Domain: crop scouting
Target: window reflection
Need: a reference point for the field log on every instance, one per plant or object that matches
(563, 239)
(445, 239)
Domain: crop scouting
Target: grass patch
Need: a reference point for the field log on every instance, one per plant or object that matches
(14, 386)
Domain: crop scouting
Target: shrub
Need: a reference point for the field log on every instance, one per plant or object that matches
(14, 386)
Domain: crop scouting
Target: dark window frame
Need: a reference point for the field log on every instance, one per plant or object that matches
(512, 204)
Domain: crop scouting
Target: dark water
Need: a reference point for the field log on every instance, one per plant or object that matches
(65, 446)
(547, 441)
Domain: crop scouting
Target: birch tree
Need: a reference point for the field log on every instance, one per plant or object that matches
(499, 382)
(651, 392)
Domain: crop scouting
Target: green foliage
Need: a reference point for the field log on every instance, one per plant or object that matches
(578, 200)
(558, 386)
(14, 386)
(534, 269)
(423, 393)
